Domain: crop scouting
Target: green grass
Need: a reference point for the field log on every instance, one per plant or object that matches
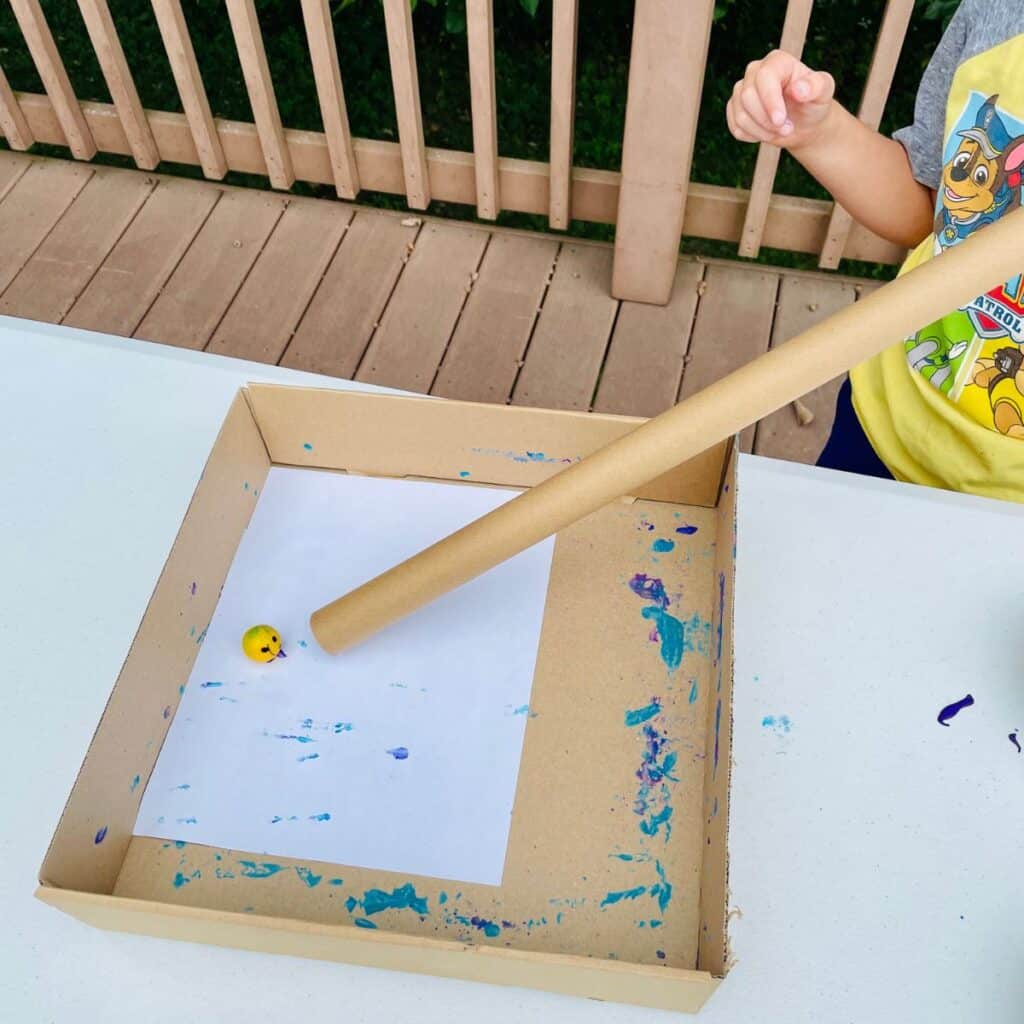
(840, 39)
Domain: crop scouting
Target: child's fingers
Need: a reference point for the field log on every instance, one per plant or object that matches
(755, 109)
(768, 82)
(746, 128)
(812, 87)
(737, 131)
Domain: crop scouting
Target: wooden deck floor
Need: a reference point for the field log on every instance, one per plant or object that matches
(432, 306)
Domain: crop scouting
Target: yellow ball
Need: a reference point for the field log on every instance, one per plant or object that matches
(262, 643)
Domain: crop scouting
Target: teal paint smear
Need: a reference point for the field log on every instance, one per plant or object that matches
(693, 691)
(307, 876)
(375, 901)
(662, 546)
(652, 825)
(443, 898)
(640, 715)
(351, 903)
(625, 894)
(336, 881)
(672, 634)
(464, 473)
(320, 817)
(180, 879)
(779, 724)
(662, 891)
(361, 922)
(134, 783)
(308, 447)
(255, 869)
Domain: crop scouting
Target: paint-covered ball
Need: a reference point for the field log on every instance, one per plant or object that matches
(262, 643)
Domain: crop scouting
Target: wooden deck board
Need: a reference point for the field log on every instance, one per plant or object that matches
(565, 356)
(48, 284)
(32, 207)
(264, 313)
(733, 326)
(138, 266)
(487, 348)
(645, 359)
(354, 292)
(188, 310)
(349, 302)
(803, 303)
(424, 309)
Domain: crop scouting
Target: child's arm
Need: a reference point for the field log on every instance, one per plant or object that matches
(783, 102)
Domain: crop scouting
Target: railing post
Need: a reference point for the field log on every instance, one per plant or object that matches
(666, 74)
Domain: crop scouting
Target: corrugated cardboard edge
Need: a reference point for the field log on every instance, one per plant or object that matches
(88, 847)
(654, 987)
(712, 952)
(510, 446)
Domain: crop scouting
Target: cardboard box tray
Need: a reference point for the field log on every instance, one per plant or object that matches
(615, 874)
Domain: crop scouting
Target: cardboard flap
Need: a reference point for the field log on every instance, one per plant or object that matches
(390, 435)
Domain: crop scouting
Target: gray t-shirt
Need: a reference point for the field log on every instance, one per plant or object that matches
(977, 26)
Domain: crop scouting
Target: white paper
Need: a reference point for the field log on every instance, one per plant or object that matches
(257, 756)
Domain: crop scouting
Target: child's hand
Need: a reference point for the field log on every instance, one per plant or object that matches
(780, 100)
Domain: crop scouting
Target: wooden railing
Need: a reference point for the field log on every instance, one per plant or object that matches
(652, 201)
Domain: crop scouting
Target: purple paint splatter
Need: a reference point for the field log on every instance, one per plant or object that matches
(1013, 739)
(100, 836)
(650, 588)
(952, 710)
(192, 589)
(398, 753)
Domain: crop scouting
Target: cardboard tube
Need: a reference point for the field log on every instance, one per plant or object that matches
(720, 411)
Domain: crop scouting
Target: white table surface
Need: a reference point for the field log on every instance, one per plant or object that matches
(875, 855)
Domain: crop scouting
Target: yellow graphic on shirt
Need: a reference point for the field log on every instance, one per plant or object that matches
(974, 354)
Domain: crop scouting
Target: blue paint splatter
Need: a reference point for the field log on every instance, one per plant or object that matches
(692, 699)
(336, 881)
(660, 954)
(180, 880)
(375, 901)
(686, 529)
(1013, 739)
(489, 928)
(672, 634)
(399, 686)
(181, 689)
(663, 546)
(340, 727)
(167, 711)
(622, 856)
(952, 710)
(307, 757)
(302, 643)
(292, 736)
(524, 709)
(308, 447)
(245, 486)
(655, 923)
(188, 821)
(652, 825)
(228, 700)
(779, 724)
(362, 922)
(221, 873)
(464, 473)
(650, 588)
(662, 890)
(180, 844)
(320, 817)
(202, 636)
(624, 894)
(307, 876)
(718, 728)
(721, 620)
(134, 783)
(714, 808)
(210, 685)
(524, 456)
(398, 753)
(640, 715)
(100, 836)
(443, 898)
(183, 786)
(255, 869)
